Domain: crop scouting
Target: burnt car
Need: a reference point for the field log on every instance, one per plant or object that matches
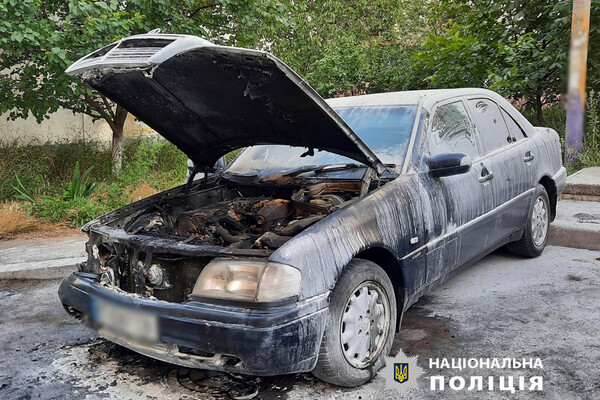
(303, 253)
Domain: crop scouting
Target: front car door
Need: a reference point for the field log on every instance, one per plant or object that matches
(453, 206)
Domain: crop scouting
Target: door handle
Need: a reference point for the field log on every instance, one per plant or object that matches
(486, 176)
(528, 156)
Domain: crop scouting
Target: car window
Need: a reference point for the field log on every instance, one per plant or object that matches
(385, 129)
(451, 131)
(515, 130)
(490, 123)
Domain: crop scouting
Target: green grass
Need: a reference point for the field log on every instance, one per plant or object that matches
(45, 169)
(46, 173)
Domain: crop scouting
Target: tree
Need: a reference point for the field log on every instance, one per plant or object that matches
(517, 48)
(39, 39)
(346, 47)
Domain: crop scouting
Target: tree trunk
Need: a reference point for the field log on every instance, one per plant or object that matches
(117, 150)
(117, 139)
(538, 109)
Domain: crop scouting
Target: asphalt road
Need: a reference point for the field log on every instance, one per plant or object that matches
(502, 307)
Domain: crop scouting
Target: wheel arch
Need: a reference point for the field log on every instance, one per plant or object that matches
(550, 186)
(385, 259)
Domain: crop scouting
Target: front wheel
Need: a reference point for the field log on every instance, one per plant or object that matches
(360, 326)
(535, 234)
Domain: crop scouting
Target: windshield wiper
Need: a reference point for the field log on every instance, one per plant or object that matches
(283, 177)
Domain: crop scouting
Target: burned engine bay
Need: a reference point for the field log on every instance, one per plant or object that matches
(259, 222)
(158, 247)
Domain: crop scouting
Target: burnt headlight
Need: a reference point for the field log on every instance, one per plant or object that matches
(248, 281)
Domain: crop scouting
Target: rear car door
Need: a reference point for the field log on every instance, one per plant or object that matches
(500, 154)
(455, 204)
(523, 152)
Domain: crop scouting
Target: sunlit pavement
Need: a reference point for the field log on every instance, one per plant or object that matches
(504, 307)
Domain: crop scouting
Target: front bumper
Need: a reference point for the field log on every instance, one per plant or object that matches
(267, 341)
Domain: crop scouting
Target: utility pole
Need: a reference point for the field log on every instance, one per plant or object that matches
(580, 32)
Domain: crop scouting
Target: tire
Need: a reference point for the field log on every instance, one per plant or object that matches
(531, 243)
(335, 364)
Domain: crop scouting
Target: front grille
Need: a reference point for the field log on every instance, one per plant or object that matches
(135, 53)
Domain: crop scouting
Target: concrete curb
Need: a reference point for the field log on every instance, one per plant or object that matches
(577, 225)
(583, 185)
(566, 236)
(53, 269)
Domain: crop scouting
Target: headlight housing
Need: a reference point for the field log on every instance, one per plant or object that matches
(243, 280)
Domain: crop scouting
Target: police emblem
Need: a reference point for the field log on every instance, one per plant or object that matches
(400, 372)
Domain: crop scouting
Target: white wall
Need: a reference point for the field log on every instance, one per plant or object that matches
(64, 126)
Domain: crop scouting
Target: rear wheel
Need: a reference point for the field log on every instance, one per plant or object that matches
(360, 326)
(535, 235)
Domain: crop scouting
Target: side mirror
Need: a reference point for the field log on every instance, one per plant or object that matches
(219, 166)
(448, 164)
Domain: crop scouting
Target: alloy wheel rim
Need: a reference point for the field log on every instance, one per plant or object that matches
(365, 324)
(539, 221)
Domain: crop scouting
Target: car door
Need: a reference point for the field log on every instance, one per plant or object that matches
(523, 154)
(453, 205)
(500, 155)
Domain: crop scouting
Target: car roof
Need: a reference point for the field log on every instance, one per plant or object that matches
(409, 97)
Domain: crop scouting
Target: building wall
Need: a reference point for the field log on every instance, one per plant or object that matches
(64, 126)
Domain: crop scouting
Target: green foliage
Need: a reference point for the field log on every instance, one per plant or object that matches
(43, 168)
(229, 157)
(555, 117)
(519, 49)
(22, 193)
(79, 188)
(354, 46)
(75, 212)
(65, 194)
(590, 156)
(39, 39)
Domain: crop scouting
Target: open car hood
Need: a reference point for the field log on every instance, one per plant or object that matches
(209, 99)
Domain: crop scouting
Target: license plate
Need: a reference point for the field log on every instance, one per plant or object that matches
(123, 321)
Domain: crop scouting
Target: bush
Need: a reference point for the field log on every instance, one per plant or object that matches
(590, 156)
(554, 115)
(75, 212)
(49, 176)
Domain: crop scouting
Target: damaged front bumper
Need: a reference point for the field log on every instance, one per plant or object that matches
(257, 341)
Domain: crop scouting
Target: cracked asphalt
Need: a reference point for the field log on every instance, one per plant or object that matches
(503, 306)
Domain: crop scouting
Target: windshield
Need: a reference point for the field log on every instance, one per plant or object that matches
(385, 129)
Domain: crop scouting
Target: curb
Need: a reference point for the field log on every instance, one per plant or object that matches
(566, 236)
(41, 270)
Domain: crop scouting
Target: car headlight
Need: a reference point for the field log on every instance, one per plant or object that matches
(247, 281)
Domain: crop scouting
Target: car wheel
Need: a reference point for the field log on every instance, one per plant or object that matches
(360, 326)
(535, 235)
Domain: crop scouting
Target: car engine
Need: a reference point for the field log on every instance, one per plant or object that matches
(258, 222)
